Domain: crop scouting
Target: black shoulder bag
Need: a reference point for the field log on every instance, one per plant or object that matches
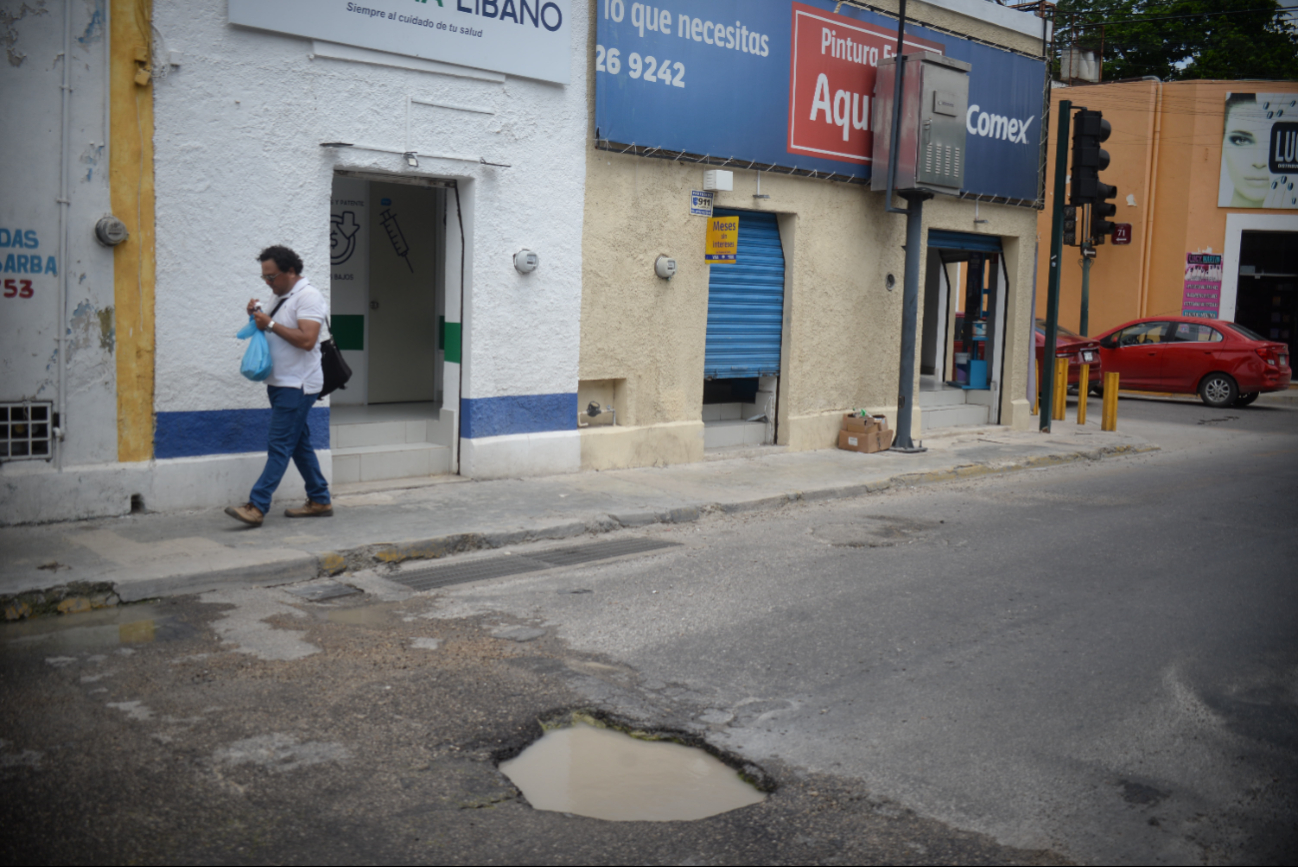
(332, 364)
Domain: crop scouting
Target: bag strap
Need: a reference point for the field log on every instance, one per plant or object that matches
(277, 306)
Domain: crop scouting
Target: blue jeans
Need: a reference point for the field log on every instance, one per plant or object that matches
(290, 437)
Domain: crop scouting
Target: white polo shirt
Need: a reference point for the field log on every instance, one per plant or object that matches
(293, 367)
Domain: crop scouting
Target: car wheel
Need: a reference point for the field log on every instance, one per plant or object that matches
(1218, 390)
(1246, 399)
(1097, 389)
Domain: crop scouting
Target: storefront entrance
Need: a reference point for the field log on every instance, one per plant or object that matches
(963, 330)
(397, 326)
(1267, 292)
(741, 365)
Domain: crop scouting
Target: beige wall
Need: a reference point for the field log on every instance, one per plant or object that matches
(642, 338)
(1165, 150)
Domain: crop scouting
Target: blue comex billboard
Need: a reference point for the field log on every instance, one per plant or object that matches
(789, 85)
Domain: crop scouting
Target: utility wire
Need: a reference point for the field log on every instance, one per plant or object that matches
(1274, 9)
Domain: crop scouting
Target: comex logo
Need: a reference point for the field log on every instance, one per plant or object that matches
(997, 126)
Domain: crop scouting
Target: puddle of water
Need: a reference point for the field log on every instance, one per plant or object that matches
(92, 630)
(606, 774)
(364, 615)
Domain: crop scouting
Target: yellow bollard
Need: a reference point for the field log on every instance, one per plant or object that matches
(1083, 392)
(1061, 389)
(1109, 419)
(1036, 397)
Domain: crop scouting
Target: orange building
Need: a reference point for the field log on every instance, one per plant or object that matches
(1181, 198)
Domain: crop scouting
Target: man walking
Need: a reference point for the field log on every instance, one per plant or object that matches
(292, 329)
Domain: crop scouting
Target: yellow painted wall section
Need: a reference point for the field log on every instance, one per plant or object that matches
(1166, 152)
(131, 182)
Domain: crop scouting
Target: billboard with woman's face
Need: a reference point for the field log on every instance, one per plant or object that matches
(1259, 151)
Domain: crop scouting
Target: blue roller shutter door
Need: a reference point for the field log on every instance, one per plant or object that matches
(746, 303)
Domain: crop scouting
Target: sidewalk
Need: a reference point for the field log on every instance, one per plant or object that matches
(86, 564)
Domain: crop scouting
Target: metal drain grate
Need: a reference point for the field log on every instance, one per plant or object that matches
(511, 564)
(600, 551)
(475, 570)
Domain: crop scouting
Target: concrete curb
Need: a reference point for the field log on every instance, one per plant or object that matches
(367, 557)
(284, 571)
(288, 570)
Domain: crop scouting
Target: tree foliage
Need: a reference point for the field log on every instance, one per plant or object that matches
(1184, 39)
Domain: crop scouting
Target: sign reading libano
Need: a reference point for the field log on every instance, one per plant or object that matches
(528, 38)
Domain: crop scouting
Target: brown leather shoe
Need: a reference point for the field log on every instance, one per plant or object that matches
(248, 513)
(312, 509)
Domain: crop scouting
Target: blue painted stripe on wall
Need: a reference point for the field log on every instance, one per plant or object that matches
(517, 414)
(225, 431)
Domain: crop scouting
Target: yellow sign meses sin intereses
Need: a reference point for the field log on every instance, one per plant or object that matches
(723, 240)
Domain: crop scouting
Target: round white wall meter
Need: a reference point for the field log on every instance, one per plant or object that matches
(526, 261)
(665, 267)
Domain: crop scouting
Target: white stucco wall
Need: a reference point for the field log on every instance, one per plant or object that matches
(239, 166)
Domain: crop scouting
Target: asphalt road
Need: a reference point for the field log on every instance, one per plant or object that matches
(1093, 663)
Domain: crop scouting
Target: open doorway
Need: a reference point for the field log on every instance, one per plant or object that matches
(1266, 299)
(961, 339)
(745, 329)
(396, 325)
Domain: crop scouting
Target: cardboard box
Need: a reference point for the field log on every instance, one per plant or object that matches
(876, 440)
(857, 424)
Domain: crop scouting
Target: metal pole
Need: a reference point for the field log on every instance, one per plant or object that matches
(1086, 293)
(1056, 251)
(1083, 392)
(1109, 415)
(909, 318)
(58, 430)
(914, 212)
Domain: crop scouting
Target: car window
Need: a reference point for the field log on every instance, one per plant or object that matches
(1193, 332)
(1142, 333)
(1041, 327)
(1247, 332)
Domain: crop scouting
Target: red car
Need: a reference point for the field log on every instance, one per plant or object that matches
(1078, 350)
(1224, 363)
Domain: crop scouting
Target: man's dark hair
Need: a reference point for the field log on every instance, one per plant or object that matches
(285, 259)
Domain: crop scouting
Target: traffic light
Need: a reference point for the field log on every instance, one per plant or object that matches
(1089, 159)
(1070, 225)
(1102, 210)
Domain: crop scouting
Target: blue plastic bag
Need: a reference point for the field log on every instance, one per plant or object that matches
(256, 360)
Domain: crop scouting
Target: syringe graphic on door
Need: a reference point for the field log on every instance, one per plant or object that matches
(389, 221)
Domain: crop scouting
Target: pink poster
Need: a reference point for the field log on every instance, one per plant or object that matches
(1202, 294)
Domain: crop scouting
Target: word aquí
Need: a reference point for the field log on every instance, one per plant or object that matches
(850, 110)
(24, 263)
(719, 33)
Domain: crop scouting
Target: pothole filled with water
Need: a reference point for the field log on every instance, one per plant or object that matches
(364, 615)
(605, 774)
(94, 630)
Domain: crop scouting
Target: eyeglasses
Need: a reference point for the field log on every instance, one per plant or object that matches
(271, 278)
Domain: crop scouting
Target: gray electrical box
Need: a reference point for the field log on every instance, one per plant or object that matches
(931, 146)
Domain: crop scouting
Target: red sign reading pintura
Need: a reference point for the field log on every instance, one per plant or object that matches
(834, 63)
